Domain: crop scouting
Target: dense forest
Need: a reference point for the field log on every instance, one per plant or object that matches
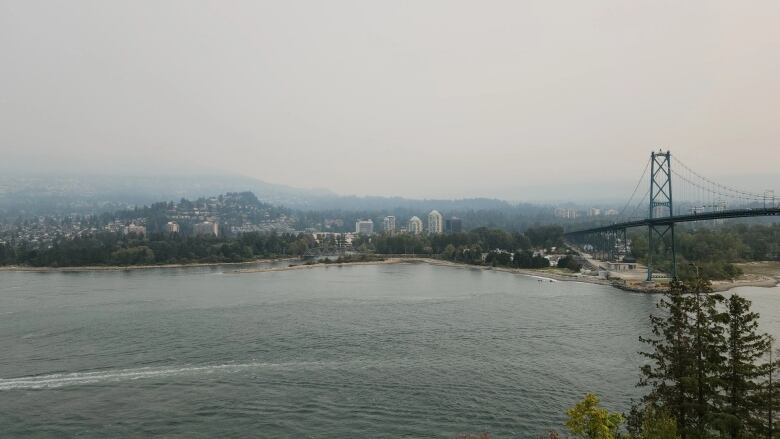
(714, 250)
(105, 248)
(115, 249)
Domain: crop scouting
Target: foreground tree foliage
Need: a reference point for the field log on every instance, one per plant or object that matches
(657, 424)
(707, 366)
(588, 420)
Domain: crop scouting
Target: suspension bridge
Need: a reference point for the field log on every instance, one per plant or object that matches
(696, 198)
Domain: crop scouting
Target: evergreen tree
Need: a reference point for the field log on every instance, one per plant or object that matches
(671, 362)
(742, 373)
(686, 358)
(709, 346)
(768, 398)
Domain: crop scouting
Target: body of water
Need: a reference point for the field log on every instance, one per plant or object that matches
(408, 350)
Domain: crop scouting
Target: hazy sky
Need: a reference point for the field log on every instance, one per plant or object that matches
(419, 98)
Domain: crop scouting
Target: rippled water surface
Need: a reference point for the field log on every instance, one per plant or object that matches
(332, 352)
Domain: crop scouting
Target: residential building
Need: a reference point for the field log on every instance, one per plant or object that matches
(388, 224)
(567, 213)
(415, 226)
(594, 211)
(136, 229)
(453, 225)
(435, 223)
(611, 212)
(172, 227)
(338, 240)
(206, 228)
(364, 227)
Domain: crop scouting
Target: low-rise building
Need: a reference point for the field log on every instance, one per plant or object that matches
(621, 266)
(364, 227)
(566, 213)
(206, 228)
(172, 227)
(136, 229)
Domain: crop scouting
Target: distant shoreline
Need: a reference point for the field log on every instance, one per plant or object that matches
(718, 286)
(764, 281)
(22, 268)
(540, 274)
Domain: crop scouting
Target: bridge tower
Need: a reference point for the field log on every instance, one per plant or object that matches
(660, 206)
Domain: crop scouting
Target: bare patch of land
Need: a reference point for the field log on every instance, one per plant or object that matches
(755, 274)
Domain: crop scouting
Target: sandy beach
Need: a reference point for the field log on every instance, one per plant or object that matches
(748, 279)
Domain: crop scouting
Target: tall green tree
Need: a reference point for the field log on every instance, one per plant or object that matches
(743, 373)
(671, 362)
(657, 424)
(768, 411)
(686, 356)
(708, 343)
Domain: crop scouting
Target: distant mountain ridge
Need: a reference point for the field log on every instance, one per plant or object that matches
(91, 193)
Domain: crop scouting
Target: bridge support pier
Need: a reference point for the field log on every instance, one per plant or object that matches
(660, 232)
(660, 199)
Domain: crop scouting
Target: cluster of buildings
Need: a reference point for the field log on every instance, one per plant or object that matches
(436, 225)
(138, 228)
(233, 213)
(44, 230)
(571, 213)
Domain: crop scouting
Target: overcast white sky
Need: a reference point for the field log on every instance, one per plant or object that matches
(418, 98)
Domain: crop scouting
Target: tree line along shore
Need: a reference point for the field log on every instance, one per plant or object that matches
(721, 254)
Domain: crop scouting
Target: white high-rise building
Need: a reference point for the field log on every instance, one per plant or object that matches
(388, 224)
(415, 226)
(435, 223)
(364, 227)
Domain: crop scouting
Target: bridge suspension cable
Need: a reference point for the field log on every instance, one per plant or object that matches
(638, 183)
(677, 161)
(699, 194)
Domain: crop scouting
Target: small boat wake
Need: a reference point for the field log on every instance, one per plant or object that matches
(53, 381)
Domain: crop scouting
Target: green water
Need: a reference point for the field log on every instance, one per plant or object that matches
(332, 352)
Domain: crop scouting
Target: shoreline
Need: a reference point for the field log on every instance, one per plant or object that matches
(87, 268)
(763, 281)
(718, 286)
(539, 274)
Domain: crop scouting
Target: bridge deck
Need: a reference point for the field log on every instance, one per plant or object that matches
(724, 214)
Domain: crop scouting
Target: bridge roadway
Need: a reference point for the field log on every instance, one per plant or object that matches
(723, 214)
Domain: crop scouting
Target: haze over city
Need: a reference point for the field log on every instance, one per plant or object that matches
(390, 219)
(417, 99)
